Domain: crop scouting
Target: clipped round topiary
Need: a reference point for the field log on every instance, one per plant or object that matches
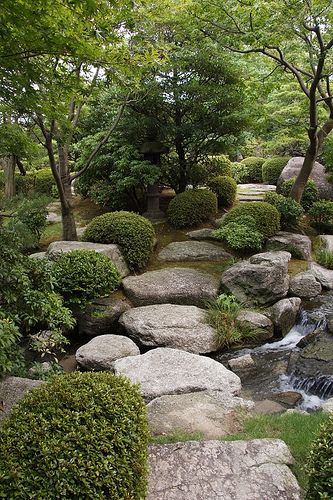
(272, 168)
(218, 165)
(310, 194)
(320, 465)
(82, 275)
(253, 168)
(225, 188)
(132, 232)
(266, 216)
(82, 435)
(192, 207)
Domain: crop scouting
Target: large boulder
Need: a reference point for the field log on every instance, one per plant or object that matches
(318, 174)
(193, 251)
(170, 325)
(326, 242)
(56, 248)
(12, 390)
(100, 317)
(171, 371)
(323, 275)
(257, 323)
(262, 279)
(171, 286)
(212, 470)
(101, 352)
(304, 285)
(284, 314)
(298, 245)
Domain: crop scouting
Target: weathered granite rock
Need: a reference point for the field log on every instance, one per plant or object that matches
(210, 413)
(323, 275)
(212, 470)
(298, 245)
(262, 279)
(193, 251)
(327, 406)
(326, 242)
(304, 285)
(201, 234)
(318, 174)
(284, 314)
(242, 363)
(38, 255)
(12, 389)
(171, 371)
(170, 325)
(101, 352)
(56, 248)
(171, 286)
(259, 324)
(100, 317)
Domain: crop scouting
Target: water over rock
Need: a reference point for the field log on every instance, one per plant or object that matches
(193, 251)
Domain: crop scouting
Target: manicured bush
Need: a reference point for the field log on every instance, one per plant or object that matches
(320, 465)
(192, 207)
(240, 236)
(310, 194)
(321, 215)
(81, 435)
(132, 232)
(218, 165)
(290, 211)
(225, 188)
(254, 168)
(82, 275)
(266, 216)
(272, 168)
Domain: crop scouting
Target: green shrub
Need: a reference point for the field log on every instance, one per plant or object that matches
(218, 165)
(253, 168)
(290, 211)
(82, 275)
(225, 188)
(321, 215)
(272, 168)
(132, 232)
(192, 207)
(320, 465)
(81, 435)
(325, 258)
(106, 196)
(9, 350)
(33, 214)
(44, 181)
(310, 194)
(240, 237)
(239, 172)
(266, 216)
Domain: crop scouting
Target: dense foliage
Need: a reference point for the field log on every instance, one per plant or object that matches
(310, 194)
(133, 233)
(266, 216)
(225, 188)
(82, 435)
(253, 169)
(321, 215)
(192, 207)
(242, 235)
(290, 211)
(272, 168)
(9, 339)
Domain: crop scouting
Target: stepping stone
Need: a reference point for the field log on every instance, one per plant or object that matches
(12, 390)
(323, 275)
(171, 371)
(209, 413)
(101, 352)
(253, 192)
(201, 234)
(298, 245)
(193, 251)
(326, 241)
(171, 286)
(169, 325)
(214, 470)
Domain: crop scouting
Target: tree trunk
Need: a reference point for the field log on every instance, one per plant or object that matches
(298, 188)
(68, 222)
(9, 170)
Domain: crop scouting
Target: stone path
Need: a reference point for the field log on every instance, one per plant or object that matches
(253, 192)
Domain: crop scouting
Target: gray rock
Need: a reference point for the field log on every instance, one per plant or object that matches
(284, 314)
(242, 363)
(171, 371)
(323, 275)
(100, 317)
(56, 248)
(262, 279)
(267, 407)
(327, 406)
(259, 324)
(101, 352)
(318, 174)
(171, 286)
(201, 234)
(304, 285)
(298, 245)
(53, 217)
(170, 325)
(193, 251)
(288, 398)
(38, 255)
(315, 363)
(212, 470)
(208, 413)
(326, 241)
(12, 390)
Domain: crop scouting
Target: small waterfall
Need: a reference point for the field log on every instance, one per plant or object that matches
(321, 386)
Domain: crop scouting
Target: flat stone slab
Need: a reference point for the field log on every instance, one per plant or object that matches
(56, 248)
(171, 286)
(323, 275)
(193, 251)
(326, 241)
(215, 470)
(12, 390)
(38, 255)
(298, 245)
(171, 371)
(170, 325)
(201, 234)
(101, 352)
(210, 413)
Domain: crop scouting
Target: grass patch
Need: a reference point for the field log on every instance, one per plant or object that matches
(52, 232)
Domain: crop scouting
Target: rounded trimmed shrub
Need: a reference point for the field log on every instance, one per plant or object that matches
(290, 211)
(310, 194)
(192, 207)
(225, 188)
(219, 165)
(320, 465)
(133, 233)
(81, 435)
(82, 275)
(266, 216)
(272, 168)
(253, 168)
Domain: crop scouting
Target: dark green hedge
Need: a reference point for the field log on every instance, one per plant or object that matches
(192, 207)
(225, 188)
(272, 168)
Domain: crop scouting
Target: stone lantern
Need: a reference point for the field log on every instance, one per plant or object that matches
(152, 151)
